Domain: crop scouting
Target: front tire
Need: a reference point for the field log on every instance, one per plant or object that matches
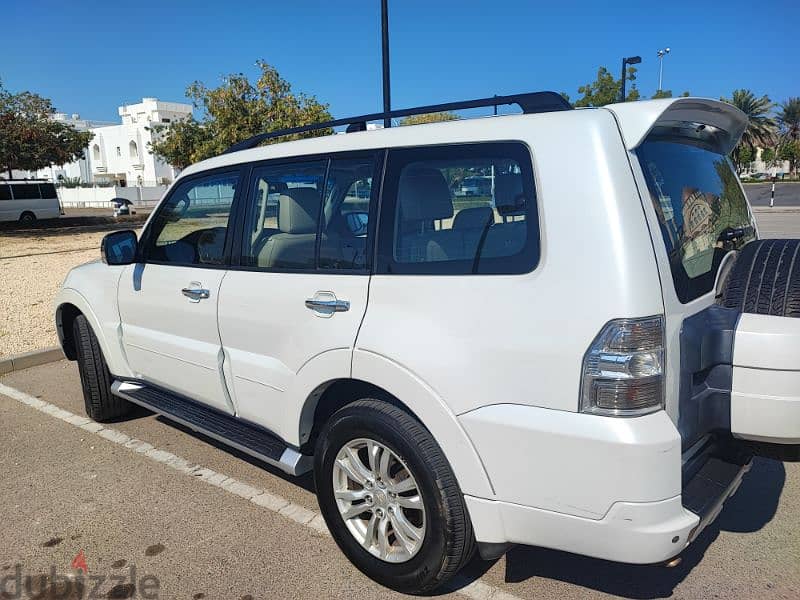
(96, 380)
(414, 532)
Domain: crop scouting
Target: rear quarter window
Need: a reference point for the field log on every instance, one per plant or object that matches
(701, 209)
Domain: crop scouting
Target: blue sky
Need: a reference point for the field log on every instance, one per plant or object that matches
(91, 56)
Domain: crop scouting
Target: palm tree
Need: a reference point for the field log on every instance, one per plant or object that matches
(789, 118)
(761, 128)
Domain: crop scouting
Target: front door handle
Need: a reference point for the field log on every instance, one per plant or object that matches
(328, 305)
(195, 293)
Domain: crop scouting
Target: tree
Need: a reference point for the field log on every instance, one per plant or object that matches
(667, 94)
(235, 111)
(606, 89)
(29, 137)
(789, 119)
(429, 118)
(761, 129)
(742, 156)
(768, 156)
(790, 150)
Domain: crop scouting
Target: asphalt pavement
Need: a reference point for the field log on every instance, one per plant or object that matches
(133, 497)
(787, 194)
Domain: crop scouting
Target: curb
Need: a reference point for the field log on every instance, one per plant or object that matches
(30, 359)
(775, 209)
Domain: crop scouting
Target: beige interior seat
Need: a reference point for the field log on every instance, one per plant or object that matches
(293, 248)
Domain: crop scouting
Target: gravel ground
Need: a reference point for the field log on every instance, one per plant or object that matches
(33, 265)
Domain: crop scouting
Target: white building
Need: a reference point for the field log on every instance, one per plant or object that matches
(119, 154)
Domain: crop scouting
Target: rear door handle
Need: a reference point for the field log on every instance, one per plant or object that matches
(328, 305)
(195, 293)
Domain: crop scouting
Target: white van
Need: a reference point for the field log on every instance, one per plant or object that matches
(28, 200)
(584, 358)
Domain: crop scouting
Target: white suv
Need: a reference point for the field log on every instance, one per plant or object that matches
(584, 355)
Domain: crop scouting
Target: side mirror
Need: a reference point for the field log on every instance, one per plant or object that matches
(119, 247)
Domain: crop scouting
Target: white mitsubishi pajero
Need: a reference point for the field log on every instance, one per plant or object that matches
(582, 354)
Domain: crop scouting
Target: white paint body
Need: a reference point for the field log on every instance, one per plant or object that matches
(489, 364)
(42, 208)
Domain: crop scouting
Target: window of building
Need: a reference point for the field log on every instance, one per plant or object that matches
(460, 209)
(191, 226)
(119, 152)
(166, 120)
(96, 152)
(134, 150)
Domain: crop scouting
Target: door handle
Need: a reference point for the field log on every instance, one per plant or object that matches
(195, 294)
(328, 305)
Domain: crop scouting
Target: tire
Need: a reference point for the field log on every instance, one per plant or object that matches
(447, 543)
(765, 279)
(27, 218)
(96, 380)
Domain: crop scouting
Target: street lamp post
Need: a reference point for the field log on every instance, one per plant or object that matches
(387, 102)
(631, 60)
(661, 54)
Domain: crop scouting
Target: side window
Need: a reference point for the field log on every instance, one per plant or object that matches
(348, 189)
(5, 192)
(25, 191)
(283, 216)
(458, 210)
(190, 228)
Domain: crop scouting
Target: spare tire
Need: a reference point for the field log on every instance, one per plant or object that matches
(765, 279)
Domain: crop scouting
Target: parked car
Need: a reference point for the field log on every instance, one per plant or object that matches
(122, 206)
(27, 200)
(586, 362)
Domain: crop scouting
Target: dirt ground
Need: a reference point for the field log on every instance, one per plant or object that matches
(33, 264)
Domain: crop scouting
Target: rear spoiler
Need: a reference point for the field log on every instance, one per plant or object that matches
(722, 123)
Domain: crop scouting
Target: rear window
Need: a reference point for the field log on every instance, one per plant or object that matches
(701, 209)
(47, 190)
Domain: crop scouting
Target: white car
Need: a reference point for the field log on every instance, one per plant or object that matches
(587, 362)
(27, 200)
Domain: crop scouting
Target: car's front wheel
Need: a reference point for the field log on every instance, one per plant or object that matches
(96, 380)
(390, 498)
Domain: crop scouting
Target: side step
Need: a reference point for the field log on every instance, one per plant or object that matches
(232, 431)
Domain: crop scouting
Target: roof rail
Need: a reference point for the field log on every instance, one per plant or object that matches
(534, 102)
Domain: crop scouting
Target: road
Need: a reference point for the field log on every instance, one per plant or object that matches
(786, 194)
(66, 490)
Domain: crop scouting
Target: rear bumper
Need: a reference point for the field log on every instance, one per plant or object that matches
(616, 489)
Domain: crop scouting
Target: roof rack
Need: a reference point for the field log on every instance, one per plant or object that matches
(534, 102)
(25, 180)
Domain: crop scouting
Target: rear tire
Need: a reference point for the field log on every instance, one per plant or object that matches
(765, 279)
(27, 218)
(447, 540)
(96, 380)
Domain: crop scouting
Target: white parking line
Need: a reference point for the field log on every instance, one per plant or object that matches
(475, 590)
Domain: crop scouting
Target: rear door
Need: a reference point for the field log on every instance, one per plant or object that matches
(290, 310)
(168, 300)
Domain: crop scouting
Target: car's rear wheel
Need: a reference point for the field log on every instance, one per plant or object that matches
(27, 218)
(765, 279)
(96, 380)
(390, 498)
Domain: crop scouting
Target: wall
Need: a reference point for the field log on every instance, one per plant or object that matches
(100, 197)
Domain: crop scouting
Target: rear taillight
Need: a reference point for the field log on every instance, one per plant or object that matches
(623, 370)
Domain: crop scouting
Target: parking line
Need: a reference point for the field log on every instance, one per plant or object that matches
(475, 590)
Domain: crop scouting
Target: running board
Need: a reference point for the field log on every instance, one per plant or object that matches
(232, 431)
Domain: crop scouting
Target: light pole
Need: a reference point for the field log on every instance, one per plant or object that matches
(661, 54)
(387, 102)
(631, 60)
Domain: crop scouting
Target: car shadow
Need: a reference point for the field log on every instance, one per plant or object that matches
(750, 509)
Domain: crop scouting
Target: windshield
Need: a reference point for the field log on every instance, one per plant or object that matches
(701, 209)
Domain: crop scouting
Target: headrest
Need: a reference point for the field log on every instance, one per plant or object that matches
(298, 209)
(509, 197)
(424, 196)
(473, 218)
